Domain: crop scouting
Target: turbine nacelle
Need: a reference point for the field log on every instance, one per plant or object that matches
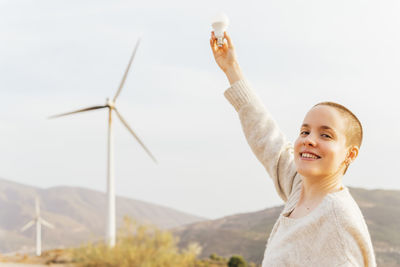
(110, 103)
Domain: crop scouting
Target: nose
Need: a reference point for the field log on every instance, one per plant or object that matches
(309, 141)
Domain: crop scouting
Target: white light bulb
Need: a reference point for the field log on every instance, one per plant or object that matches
(220, 24)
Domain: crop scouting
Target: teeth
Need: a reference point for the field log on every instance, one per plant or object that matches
(307, 155)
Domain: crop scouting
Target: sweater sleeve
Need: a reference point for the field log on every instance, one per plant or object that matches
(264, 137)
(354, 234)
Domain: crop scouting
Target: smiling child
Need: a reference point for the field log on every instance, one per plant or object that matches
(321, 224)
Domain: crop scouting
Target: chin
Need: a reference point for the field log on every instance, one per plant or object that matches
(308, 172)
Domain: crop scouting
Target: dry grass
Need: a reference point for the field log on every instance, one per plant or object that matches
(138, 245)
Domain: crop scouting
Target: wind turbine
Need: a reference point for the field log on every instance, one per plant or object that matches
(39, 221)
(110, 104)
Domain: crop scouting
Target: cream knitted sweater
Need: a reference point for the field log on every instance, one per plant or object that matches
(334, 233)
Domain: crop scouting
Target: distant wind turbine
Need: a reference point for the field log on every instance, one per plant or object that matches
(39, 221)
(110, 104)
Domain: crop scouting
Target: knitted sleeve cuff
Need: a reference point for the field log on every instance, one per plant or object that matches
(239, 93)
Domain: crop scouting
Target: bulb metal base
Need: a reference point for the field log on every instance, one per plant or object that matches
(220, 41)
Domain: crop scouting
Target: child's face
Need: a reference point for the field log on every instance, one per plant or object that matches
(323, 133)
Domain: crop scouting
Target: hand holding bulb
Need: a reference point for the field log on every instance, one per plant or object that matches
(225, 57)
(220, 24)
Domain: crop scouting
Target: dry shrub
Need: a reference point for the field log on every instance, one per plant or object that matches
(138, 246)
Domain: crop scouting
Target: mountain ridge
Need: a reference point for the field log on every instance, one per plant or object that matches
(77, 213)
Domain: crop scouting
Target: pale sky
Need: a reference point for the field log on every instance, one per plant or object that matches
(57, 56)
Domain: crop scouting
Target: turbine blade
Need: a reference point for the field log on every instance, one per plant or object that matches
(76, 111)
(134, 135)
(127, 70)
(26, 226)
(46, 223)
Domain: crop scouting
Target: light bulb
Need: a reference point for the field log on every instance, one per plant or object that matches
(220, 24)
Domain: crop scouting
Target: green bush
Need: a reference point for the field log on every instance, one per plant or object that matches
(237, 261)
(216, 257)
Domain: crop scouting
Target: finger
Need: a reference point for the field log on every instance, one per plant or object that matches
(213, 36)
(213, 45)
(212, 40)
(225, 46)
(228, 39)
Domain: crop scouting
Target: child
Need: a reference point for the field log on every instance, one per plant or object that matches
(321, 224)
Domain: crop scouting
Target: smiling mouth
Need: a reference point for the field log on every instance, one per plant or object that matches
(309, 156)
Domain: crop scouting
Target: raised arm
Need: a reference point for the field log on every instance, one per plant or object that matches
(262, 133)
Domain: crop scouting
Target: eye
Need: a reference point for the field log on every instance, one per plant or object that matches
(304, 132)
(325, 135)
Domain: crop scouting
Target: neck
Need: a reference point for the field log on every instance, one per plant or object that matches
(314, 189)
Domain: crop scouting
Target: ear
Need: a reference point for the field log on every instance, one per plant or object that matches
(352, 154)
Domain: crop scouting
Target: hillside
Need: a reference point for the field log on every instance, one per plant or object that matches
(247, 234)
(77, 213)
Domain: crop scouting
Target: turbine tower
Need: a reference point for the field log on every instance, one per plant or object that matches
(39, 221)
(110, 104)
